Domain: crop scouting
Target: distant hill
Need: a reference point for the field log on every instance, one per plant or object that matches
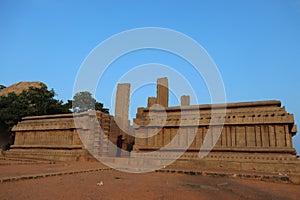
(19, 87)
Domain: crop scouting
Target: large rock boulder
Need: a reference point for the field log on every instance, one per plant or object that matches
(19, 87)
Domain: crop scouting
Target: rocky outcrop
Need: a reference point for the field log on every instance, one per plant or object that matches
(18, 88)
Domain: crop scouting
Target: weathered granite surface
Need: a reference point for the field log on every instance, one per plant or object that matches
(18, 88)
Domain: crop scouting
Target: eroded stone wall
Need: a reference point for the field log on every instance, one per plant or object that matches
(255, 135)
(57, 137)
(255, 126)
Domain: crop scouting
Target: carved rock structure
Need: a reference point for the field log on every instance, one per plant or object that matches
(58, 137)
(73, 137)
(254, 136)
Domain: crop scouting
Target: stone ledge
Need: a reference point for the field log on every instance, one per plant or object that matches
(37, 176)
(269, 178)
(22, 161)
(49, 154)
(268, 103)
(222, 149)
(211, 121)
(46, 147)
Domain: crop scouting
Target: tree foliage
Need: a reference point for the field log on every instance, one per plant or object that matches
(83, 101)
(31, 102)
(2, 87)
(99, 106)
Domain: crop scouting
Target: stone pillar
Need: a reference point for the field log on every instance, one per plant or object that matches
(162, 92)
(185, 100)
(122, 105)
(151, 101)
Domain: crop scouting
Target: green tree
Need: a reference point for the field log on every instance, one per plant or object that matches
(99, 106)
(31, 102)
(11, 110)
(83, 101)
(68, 104)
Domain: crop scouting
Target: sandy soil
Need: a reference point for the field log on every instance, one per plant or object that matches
(111, 184)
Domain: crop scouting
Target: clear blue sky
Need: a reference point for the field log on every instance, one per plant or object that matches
(255, 44)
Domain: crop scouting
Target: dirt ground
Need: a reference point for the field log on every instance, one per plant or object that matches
(112, 184)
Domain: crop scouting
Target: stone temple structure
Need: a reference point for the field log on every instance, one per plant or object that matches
(253, 136)
(55, 137)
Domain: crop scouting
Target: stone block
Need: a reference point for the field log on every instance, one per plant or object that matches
(185, 100)
(162, 92)
(151, 101)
